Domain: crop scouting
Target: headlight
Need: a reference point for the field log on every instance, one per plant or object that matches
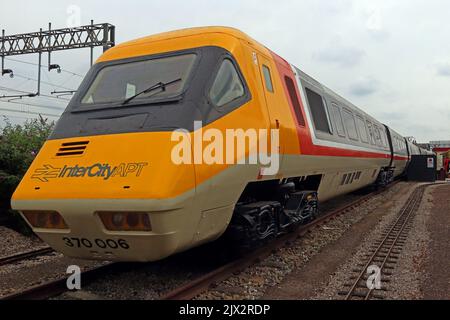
(45, 219)
(126, 221)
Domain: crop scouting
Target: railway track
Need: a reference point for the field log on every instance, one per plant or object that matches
(203, 283)
(383, 255)
(25, 255)
(56, 287)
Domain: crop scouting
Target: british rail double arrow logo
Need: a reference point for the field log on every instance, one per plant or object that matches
(45, 173)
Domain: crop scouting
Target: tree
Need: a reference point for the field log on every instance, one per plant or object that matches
(19, 144)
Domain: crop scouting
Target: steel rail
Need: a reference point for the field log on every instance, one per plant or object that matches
(195, 287)
(188, 291)
(389, 242)
(24, 255)
(56, 287)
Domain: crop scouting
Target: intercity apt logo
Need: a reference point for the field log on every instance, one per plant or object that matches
(99, 170)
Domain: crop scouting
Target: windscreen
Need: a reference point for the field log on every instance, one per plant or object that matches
(119, 82)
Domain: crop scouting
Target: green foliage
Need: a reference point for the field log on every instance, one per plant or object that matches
(19, 144)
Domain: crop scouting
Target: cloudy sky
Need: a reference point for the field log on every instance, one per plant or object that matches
(389, 57)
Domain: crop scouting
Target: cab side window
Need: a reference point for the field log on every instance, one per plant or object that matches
(294, 100)
(227, 86)
(267, 78)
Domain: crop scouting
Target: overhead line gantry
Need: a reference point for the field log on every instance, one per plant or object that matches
(47, 41)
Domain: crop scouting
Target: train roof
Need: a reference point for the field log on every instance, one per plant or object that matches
(189, 32)
(305, 77)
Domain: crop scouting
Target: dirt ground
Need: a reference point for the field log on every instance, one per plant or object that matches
(426, 266)
(315, 276)
(316, 266)
(436, 281)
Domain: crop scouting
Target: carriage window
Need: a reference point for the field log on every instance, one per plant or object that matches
(349, 122)
(371, 134)
(377, 136)
(227, 85)
(294, 100)
(401, 146)
(383, 137)
(267, 78)
(362, 129)
(318, 111)
(337, 116)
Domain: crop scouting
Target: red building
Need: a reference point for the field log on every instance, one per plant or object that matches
(440, 146)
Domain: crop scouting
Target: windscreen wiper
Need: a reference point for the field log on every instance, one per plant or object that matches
(159, 85)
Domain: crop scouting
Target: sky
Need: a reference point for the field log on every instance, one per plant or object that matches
(391, 58)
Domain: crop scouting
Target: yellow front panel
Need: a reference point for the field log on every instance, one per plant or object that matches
(142, 162)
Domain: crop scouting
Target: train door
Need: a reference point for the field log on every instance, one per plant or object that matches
(277, 127)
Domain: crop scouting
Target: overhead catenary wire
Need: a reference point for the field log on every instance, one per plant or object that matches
(90, 36)
(43, 82)
(35, 105)
(67, 80)
(26, 92)
(31, 112)
(45, 67)
(17, 117)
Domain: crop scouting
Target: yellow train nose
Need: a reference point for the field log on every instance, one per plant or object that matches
(118, 196)
(131, 166)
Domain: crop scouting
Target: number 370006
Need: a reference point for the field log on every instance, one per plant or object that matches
(96, 243)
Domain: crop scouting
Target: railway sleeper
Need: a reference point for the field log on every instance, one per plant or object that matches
(388, 243)
(384, 272)
(395, 251)
(363, 295)
(366, 276)
(392, 255)
(381, 259)
(386, 266)
(391, 259)
(362, 286)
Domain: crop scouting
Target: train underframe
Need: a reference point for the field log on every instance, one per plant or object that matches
(269, 209)
(385, 177)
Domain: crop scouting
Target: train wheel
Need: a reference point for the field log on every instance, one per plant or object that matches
(254, 224)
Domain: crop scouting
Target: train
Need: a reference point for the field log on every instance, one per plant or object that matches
(105, 185)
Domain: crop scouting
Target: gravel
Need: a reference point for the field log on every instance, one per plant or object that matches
(435, 271)
(13, 242)
(253, 283)
(151, 280)
(146, 282)
(31, 272)
(407, 273)
(342, 275)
